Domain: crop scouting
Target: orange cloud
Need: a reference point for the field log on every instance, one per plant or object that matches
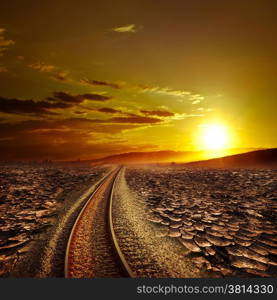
(126, 28)
(41, 67)
(4, 44)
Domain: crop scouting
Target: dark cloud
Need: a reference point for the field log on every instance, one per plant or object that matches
(54, 144)
(63, 100)
(76, 124)
(116, 120)
(60, 100)
(60, 76)
(159, 113)
(58, 139)
(101, 83)
(58, 146)
(136, 120)
(95, 97)
(110, 126)
(66, 97)
(109, 110)
(78, 112)
(16, 106)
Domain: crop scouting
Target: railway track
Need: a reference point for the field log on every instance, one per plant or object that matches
(93, 249)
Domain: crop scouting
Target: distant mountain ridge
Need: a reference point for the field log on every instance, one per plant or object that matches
(145, 157)
(259, 158)
(157, 157)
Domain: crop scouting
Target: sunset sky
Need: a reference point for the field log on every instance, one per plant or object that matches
(86, 79)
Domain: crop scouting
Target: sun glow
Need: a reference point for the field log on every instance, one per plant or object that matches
(214, 137)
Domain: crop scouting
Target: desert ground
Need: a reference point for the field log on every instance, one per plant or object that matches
(172, 221)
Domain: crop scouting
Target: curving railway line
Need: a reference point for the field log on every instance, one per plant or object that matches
(92, 248)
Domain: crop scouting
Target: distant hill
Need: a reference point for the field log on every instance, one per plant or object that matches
(156, 157)
(146, 157)
(255, 159)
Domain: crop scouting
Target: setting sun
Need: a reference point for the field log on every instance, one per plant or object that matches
(214, 137)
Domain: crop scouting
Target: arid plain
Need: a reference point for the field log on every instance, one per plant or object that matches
(171, 220)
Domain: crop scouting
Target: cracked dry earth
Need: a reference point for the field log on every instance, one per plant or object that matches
(221, 221)
(32, 198)
(149, 252)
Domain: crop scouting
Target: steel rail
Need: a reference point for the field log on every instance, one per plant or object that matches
(118, 251)
(123, 262)
(90, 198)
